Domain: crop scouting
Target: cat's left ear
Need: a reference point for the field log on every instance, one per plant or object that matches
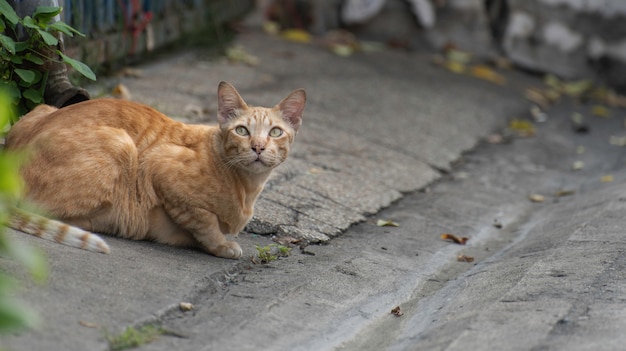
(292, 108)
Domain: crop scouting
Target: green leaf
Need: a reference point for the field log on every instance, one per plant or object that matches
(7, 11)
(7, 113)
(48, 38)
(7, 43)
(21, 45)
(78, 66)
(16, 59)
(33, 95)
(10, 180)
(3, 25)
(26, 75)
(46, 13)
(29, 22)
(34, 59)
(15, 316)
(12, 90)
(65, 28)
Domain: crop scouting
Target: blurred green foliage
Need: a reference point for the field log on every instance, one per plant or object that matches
(14, 315)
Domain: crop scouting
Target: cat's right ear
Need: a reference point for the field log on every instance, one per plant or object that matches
(229, 102)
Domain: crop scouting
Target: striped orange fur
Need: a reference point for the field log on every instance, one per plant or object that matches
(57, 231)
(122, 168)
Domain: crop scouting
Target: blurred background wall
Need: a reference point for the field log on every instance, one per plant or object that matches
(573, 39)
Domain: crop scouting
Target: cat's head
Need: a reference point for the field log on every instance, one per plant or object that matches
(257, 139)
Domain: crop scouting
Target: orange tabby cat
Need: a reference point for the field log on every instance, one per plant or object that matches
(122, 168)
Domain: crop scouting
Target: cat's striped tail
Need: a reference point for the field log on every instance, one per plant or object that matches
(57, 231)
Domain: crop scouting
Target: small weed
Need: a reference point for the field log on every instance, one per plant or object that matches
(269, 253)
(134, 337)
(283, 250)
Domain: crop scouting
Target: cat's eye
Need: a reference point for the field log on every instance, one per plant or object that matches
(276, 132)
(241, 130)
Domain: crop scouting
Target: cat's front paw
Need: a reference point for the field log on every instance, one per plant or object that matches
(229, 249)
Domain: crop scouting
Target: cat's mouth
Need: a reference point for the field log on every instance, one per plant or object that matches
(258, 161)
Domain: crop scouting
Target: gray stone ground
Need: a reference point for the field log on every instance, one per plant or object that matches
(378, 127)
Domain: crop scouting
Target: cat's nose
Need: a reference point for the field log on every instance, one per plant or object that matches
(258, 148)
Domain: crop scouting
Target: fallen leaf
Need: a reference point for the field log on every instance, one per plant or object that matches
(237, 53)
(315, 170)
(522, 128)
(607, 178)
(615, 100)
(577, 88)
(617, 140)
(454, 238)
(457, 55)
(574, 88)
(88, 324)
(386, 223)
(463, 258)
(185, 306)
(485, 73)
(580, 150)
(271, 27)
(494, 139)
(561, 193)
(552, 81)
(286, 240)
(396, 311)
(297, 35)
(538, 97)
(130, 72)
(536, 198)
(578, 165)
(455, 67)
(341, 50)
(601, 111)
(121, 92)
(371, 46)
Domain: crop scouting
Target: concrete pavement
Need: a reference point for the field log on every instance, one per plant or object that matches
(377, 127)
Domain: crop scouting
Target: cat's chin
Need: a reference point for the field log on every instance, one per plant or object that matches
(258, 167)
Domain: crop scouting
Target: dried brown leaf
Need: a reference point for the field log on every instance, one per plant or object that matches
(396, 311)
(286, 240)
(120, 91)
(536, 198)
(485, 73)
(454, 238)
(562, 192)
(88, 324)
(464, 258)
(130, 72)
